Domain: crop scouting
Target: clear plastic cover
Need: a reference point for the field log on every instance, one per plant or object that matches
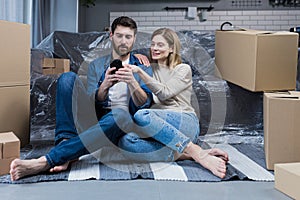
(228, 113)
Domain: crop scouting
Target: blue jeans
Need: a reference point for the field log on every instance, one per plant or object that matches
(75, 112)
(76, 121)
(161, 133)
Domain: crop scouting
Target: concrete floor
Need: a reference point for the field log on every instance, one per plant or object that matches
(141, 190)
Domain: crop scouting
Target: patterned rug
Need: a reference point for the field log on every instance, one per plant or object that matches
(246, 163)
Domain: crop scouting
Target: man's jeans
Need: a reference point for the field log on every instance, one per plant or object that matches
(161, 133)
(76, 122)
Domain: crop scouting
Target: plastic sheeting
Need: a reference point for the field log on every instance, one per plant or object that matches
(228, 113)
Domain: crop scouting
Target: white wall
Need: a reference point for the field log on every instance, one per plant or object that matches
(252, 19)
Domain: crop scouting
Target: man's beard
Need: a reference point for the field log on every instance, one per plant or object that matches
(122, 53)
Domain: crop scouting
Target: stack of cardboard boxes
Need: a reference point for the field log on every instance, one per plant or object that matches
(14, 82)
(55, 66)
(264, 61)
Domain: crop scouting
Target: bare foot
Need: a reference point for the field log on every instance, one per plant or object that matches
(218, 153)
(20, 168)
(211, 159)
(62, 167)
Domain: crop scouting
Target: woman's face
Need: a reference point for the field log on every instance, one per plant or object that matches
(160, 49)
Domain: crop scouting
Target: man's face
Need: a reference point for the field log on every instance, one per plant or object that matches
(122, 40)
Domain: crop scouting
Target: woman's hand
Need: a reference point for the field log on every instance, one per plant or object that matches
(133, 68)
(125, 74)
(143, 59)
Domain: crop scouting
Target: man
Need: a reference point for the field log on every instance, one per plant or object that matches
(116, 95)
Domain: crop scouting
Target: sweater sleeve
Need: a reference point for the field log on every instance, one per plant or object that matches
(180, 80)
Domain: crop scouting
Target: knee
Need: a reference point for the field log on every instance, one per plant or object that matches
(142, 117)
(127, 141)
(66, 79)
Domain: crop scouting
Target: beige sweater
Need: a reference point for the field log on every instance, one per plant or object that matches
(172, 89)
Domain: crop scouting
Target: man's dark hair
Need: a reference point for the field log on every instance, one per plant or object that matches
(124, 21)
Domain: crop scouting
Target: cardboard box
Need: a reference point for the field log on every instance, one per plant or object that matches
(281, 127)
(287, 178)
(10, 149)
(15, 111)
(15, 53)
(257, 60)
(10, 145)
(5, 165)
(55, 66)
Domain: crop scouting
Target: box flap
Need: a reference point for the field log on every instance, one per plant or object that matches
(284, 95)
(293, 168)
(247, 31)
(49, 63)
(8, 137)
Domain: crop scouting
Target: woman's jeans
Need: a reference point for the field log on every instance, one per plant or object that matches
(160, 133)
(76, 122)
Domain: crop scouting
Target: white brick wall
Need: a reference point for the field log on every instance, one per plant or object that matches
(253, 19)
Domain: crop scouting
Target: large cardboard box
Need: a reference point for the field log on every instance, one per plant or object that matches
(15, 53)
(9, 150)
(281, 127)
(257, 60)
(55, 66)
(15, 79)
(15, 111)
(287, 179)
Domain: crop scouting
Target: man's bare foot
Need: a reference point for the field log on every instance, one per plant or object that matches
(20, 168)
(211, 159)
(62, 167)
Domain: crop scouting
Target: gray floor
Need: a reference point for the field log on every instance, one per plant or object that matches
(141, 189)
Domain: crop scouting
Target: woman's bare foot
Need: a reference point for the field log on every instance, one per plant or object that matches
(20, 168)
(183, 156)
(219, 153)
(60, 168)
(211, 159)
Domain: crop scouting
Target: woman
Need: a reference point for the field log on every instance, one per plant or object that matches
(168, 129)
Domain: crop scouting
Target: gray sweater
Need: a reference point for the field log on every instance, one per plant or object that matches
(172, 89)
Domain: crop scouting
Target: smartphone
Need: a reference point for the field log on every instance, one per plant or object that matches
(117, 64)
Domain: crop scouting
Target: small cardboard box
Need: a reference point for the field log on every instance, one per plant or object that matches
(257, 60)
(9, 150)
(5, 165)
(281, 127)
(10, 145)
(15, 53)
(15, 111)
(287, 179)
(55, 66)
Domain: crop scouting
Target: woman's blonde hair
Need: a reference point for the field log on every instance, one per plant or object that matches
(172, 39)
